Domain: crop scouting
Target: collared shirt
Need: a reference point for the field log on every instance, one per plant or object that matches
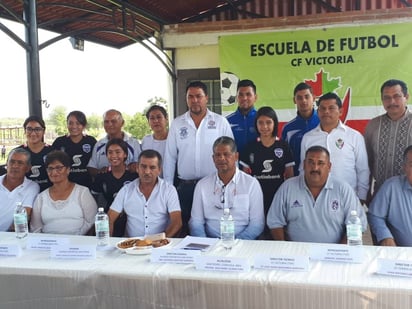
(25, 193)
(242, 195)
(386, 139)
(347, 154)
(243, 127)
(149, 216)
(99, 157)
(390, 212)
(191, 147)
(308, 220)
(294, 131)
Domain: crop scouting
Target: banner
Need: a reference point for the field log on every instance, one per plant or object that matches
(352, 61)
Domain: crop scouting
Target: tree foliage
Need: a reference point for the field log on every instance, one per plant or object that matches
(57, 119)
(137, 125)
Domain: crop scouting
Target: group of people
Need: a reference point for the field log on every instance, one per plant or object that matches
(300, 187)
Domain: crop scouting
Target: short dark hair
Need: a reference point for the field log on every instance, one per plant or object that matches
(302, 86)
(225, 140)
(330, 96)
(246, 83)
(317, 148)
(197, 84)
(268, 112)
(120, 142)
(150, 153)
(20, 151)
(58, 155)
(154, 108)
(394, 82)
(34, 118)
(80, 117)
(406, 151)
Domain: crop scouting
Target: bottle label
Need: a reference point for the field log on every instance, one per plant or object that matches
(354, 231)
(102, 226)
(20, 219)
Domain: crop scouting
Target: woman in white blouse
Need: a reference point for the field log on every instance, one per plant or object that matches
(65, 207)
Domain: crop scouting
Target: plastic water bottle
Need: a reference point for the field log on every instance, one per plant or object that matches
(354, 229)
(20, 221)
(102, 227)
(227, 229)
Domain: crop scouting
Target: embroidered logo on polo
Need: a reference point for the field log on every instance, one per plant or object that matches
(296, 204)
(339, 143)
(335, 205)
(267, 166)
(87, 148)
(278, 152)
(211, 124)
(183, 133)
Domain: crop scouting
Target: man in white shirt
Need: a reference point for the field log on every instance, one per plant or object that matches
(346, 146)
(189, 146)
(227, 188)
(150, 204)
(16, 188)
(113, 123)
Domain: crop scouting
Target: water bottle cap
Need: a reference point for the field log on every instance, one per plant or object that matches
(100, 209)
(354, 213)
(226, 211)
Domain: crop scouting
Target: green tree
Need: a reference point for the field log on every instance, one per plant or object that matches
(155, 101)
(137, 125)
(95, 125)
(57, 119)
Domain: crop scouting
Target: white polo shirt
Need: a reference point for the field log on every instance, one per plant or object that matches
(146, 216)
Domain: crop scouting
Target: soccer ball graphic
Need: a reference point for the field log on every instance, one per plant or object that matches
(228, 88)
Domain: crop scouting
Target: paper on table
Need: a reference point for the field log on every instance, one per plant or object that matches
(197, 243)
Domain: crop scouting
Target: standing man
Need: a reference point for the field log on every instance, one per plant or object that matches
(315, 206)
(113, 123)
(305, 120)
(390, 213)
(150, 204)
(227, 188)
(189, 146)
(387, 135)
(345, 145)
(15, 187)
(242, 120)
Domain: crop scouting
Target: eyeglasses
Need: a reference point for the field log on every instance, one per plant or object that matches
(35, 130)
(223, 203)
(154, 118)
(396, 97)
(58, 169)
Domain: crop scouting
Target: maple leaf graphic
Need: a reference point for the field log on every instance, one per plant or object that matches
(322, 84)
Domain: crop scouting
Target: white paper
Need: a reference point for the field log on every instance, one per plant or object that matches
(197, 243)
(282, 262)
(79, 252)
(337, 253)
(10, 250)
(400, 268)
(221, 263)
(174, 256)
(45, 243)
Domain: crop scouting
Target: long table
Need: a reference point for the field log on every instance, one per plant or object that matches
(117, 280)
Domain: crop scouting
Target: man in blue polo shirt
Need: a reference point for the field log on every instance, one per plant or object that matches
(242, 121)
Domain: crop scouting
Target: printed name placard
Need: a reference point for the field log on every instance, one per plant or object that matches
(45, 243)
(174, 256)
(389, 267)
(10, 250)
(79, 252)
(283, 262)
(221, 263)
(337, 253)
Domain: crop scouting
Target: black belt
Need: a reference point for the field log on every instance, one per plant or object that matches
(189, 181)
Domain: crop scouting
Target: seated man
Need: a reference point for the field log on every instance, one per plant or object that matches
(227, 188)
(15, 188)
(315, 206)
(151, 205)
(390, 212)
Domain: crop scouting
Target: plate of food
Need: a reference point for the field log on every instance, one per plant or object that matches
(143, 245)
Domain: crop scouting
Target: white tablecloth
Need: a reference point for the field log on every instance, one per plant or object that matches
(117, 280)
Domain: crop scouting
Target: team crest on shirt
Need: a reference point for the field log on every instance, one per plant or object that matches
(335, 205)
(211, 124)
(183, 133)
(87, 148)
(339, 143)
(278, 152)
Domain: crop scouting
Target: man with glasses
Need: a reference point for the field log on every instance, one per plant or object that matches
(16, 188)
(388, 135)
(229, 188)
(345, 145)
